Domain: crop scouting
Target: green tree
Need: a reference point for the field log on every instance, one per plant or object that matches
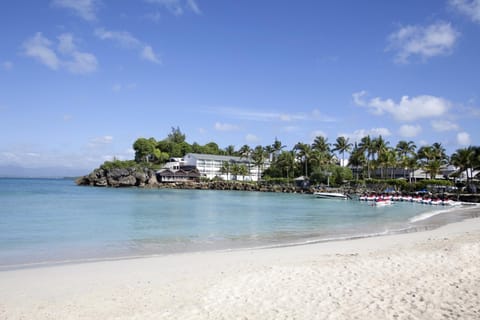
(277, 148)
(464, 159)
(405, 151)
(286, 163)
(321, 144)
(357, 159)
(245, 151)
(269, 152)
(230, 150)
(242, 171)
(176, 135)
(144, 149)
(342, 145)
(303, 154)
(226, 169)
(258, 157)
(367, 146)
(380, 147)
(211, 148)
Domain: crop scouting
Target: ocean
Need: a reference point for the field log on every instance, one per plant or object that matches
(50, 221)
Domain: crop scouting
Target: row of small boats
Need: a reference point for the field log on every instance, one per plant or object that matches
(386, 199)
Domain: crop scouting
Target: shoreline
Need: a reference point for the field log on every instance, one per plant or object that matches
(429, 274)
(467, 211)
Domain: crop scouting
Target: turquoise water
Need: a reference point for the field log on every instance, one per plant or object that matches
(49, 221)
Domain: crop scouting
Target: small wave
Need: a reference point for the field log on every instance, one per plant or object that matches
(428, 215)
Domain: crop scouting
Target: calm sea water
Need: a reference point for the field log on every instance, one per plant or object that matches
(50, 221)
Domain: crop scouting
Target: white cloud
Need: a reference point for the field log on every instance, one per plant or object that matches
(65, 43)
(193, 6)
(407, 109)
(148, 54)
(67, 117)
(358, 98)
(470, 8)
(225, 127)
(463, 138)
(177, 7)
(74, 61)
(246, 114)
(357, 135)
(424, 42)
(7, 65)
(254, 115)
(443, 125)
(39, 48)
(128, 41)
(409, 131)
(251, 138)
(86, 9)
(82, 63)
(123, 38)
(100, 141)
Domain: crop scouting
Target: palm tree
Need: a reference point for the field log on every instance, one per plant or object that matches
(230, 150)
(366, 146)
(425, 154)
(439, 152)
(342, 145)
(235, 169)
(258, 157)
(464, 159)
(432, 157)
(303, 154)
(269, 152)
(286, 161)
(405, 150)
(357, 158)
(380, 147)
(321, 144)
(225, 169)
(242, 171)
(390, 161)
(320, 159)
(245, 151)
(433, 168)
(277, 148)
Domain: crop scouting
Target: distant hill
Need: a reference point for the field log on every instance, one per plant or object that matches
(45, 172)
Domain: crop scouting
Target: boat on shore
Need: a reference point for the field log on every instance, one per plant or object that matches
(331, 195)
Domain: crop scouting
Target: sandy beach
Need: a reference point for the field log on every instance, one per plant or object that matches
(425, 275)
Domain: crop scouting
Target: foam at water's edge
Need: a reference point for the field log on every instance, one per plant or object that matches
(428, 215)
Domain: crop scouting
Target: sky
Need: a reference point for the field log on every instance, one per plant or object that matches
(81, 80)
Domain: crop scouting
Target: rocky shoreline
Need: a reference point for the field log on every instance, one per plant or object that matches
(146, 178)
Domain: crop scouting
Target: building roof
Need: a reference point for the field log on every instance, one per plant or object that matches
(178, 173)
(201, 156)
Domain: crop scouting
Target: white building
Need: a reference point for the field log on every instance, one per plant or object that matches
(210, 166)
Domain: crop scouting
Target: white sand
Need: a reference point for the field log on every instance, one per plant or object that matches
(424, 275)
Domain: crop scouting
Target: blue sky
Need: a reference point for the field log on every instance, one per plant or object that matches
(80, 80)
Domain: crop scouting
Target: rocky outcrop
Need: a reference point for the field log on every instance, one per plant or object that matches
(146, 178)
(120, 177)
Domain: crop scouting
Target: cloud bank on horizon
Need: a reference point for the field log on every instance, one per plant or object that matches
(82, 79)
